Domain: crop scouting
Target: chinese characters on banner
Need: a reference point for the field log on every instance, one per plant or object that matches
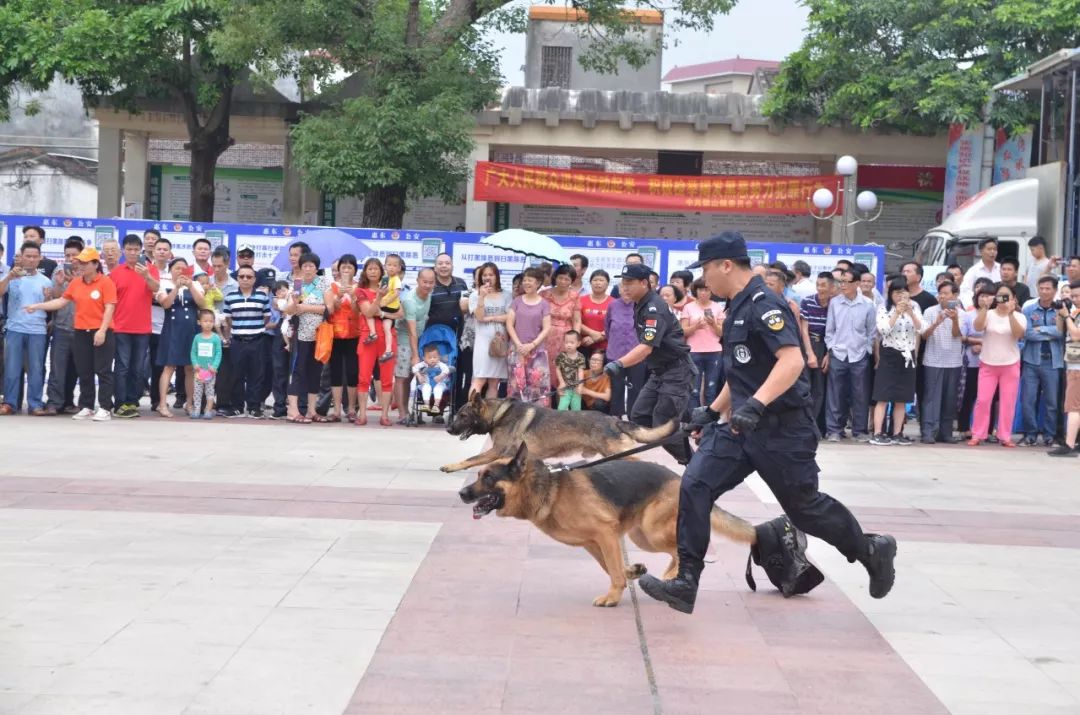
(963, 165)
(1011, 156)
(516, 184)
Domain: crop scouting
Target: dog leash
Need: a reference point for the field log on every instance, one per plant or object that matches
(619, 455)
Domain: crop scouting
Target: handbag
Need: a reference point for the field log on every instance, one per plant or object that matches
(324, 342)
(1072, 352)
(499, 347)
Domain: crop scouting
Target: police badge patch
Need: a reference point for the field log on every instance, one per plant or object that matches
(742, 354)
(773, 319)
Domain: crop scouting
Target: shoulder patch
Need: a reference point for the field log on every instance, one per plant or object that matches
(757, 296)
(773, 319)
(652, 308)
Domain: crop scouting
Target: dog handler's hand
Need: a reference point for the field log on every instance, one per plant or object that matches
(745, 419)
(701, 417)
(613, 368)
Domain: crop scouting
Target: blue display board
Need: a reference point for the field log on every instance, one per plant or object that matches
(418, 248)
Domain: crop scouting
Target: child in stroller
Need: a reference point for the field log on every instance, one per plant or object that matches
(432, 375)
(426, 397)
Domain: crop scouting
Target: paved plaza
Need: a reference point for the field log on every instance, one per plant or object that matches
(183, 567)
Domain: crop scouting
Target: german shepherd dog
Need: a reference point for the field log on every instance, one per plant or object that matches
(547, 433)
(594, 508)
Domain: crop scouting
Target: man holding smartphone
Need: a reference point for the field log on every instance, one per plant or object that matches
(27, 336)
(136, 283)
(943, 360)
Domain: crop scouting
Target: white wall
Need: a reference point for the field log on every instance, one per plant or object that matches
(44, 191)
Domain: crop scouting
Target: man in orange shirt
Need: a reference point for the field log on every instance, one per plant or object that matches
(93, 345)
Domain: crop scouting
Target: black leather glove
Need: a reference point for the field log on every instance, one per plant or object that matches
(613, 368)
(701, 417)
(746, 418)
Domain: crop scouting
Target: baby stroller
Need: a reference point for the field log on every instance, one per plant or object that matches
(445, 339)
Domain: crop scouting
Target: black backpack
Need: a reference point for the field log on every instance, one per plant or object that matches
(781, 551)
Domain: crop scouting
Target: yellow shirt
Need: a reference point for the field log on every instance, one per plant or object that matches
(392, 299)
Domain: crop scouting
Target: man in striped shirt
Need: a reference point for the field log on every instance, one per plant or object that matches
(247, 311)
(814, 312)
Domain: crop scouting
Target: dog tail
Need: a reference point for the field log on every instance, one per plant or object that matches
(648, 434)
(733, 527)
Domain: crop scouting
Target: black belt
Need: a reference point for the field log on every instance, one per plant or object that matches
(817, 338)
(246, 338)
(785, 418)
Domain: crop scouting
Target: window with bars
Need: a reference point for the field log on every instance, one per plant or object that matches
(555, 66)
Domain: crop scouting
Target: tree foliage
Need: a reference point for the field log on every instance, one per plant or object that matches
(918, 65)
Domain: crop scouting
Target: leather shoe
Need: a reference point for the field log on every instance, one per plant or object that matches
(879, 558)
(679, 593)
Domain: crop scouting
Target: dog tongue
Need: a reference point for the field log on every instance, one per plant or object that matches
(477, 513)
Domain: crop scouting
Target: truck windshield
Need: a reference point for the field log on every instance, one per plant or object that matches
(929, 248)
(965, 251)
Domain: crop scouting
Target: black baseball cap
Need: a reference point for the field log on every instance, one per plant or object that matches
(635, 271)
(729, 244)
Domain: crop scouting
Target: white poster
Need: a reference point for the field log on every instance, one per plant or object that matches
(240, 195)
(429, 214)
(55, 237)
(588, 221)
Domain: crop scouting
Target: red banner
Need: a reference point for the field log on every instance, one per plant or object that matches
(517, 184)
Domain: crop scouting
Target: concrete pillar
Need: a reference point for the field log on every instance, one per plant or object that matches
(136, 171)
(292, 190)
(476, 212)
(110, 177)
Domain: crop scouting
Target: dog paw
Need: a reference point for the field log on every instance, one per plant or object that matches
(448, 468)
(636, 571)
(606, 601)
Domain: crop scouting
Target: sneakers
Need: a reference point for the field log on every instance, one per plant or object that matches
(881, 440)
(680, 592)
(834, 438)
(902, 440)
(880, 555)
(102, 415)
(127, 411)
(256, 414)
(862, 438)
(1064, 450)
(83, 414)
(230, 414)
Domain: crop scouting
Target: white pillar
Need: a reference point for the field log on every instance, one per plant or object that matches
(476, 212)
(136, 170)
(110, 178)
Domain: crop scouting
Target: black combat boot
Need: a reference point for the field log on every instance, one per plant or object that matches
(878, 560)
(679, 593)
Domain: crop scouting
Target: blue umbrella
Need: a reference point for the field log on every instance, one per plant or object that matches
(329, 244)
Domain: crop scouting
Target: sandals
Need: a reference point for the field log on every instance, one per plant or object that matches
(319, 419)
(386, 356)
(299, 420)
(385, 422)
(371, 338)
(334, 418)
(360, 421)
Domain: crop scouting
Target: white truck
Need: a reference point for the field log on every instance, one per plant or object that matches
(1013, 212)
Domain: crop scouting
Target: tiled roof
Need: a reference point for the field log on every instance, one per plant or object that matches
(736, 65)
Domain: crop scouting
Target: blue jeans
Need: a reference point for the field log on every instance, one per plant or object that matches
(129, 367)
(710, 377)
(31, 349)
(1039, 381)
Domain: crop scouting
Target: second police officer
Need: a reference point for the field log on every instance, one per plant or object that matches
(770, 430)
(664, 351)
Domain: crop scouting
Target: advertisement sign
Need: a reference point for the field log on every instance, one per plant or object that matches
(1010, 156)
(962, 166)
(418, 248)
(240, 195)
(514, 183)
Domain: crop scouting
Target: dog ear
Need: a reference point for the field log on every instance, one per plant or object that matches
(477, 398)
(521, 458)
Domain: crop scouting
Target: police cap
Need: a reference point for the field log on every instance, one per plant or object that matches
(635, 271)
(729, 244)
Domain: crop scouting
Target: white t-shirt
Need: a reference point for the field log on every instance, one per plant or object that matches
(1034, 273)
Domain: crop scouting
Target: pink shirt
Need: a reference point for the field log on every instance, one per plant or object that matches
(704, 339)
(999, 346)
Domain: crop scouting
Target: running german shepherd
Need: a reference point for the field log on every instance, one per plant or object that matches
(594, 508)
(547, 433)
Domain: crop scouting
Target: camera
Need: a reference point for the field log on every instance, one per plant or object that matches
(1057, 304)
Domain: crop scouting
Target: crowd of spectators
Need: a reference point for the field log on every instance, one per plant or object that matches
(93, 335)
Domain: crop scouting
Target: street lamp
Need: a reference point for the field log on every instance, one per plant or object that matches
(824, 204)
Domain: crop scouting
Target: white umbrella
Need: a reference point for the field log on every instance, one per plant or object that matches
(528, 243)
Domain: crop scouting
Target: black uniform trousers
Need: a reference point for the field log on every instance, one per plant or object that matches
(665, 397)
(782, 451)
(248, 361)
(91, 361)
(226, 376)
(626, 385)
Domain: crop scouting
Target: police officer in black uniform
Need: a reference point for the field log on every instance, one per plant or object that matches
(663, 349)
(770, 430)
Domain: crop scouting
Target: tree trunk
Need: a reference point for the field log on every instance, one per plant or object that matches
(205, 152)
(385, 207)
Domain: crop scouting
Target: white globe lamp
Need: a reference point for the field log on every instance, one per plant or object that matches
(847, 165)
(866, 201)
(822, 198)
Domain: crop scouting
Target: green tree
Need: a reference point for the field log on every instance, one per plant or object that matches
(918, 65)
(120, 52)
(420, 76)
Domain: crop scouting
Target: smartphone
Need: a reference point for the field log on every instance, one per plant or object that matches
(708, 312)
(385, 281)
(141, 260)
(69, 268)
(297, 285)
(952, 304)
